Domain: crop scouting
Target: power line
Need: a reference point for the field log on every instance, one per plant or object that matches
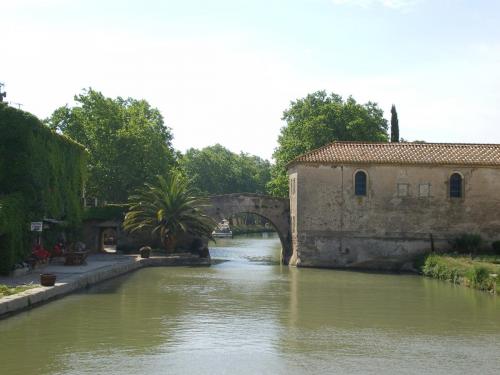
(19, 105)
(3, 94)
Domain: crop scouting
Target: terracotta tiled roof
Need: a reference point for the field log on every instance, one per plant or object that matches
(403, 153)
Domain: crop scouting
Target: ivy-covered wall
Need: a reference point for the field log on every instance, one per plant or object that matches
(14, 238)
(115, 212)
(41, 176)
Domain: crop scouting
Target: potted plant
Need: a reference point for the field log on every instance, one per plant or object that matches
(145, 251)
(47, 279)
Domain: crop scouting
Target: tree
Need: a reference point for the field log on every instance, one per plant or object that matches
(317, 120)
(127, 141)
(168, 208)
(394, 125)
(216, 170)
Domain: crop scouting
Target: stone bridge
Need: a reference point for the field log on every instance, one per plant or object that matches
(276, 210)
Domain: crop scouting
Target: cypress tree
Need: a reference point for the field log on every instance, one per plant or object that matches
(394, 125)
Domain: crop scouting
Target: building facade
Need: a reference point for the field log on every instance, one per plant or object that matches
(379, 205)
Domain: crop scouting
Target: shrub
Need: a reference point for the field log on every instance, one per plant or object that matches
(479, 278)
(467, 243)
(461, 270)
(496, 247)
(435, 267)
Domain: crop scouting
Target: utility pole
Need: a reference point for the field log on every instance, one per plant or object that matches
(2, 93)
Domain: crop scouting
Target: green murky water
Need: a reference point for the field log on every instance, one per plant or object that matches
(249, 315)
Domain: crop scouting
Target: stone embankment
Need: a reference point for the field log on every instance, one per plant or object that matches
(99, 267)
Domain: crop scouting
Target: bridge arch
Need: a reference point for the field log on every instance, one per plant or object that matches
(276, 210)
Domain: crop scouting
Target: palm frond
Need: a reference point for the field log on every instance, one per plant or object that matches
(168, 208)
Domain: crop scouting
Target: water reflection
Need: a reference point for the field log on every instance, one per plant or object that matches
(251, 315)
(399, 303)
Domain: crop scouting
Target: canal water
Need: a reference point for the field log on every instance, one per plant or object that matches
(250, 315)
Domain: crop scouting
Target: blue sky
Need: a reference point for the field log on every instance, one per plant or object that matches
(224, 71)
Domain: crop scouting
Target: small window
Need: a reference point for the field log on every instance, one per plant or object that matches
(456, 186)
(403, 190)
(360, 183)
(424, 190)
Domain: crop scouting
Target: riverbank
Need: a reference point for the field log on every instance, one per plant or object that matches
(99, 267)
(250, 229)
(482, 272)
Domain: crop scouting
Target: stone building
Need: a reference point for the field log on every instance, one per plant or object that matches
(378, 205)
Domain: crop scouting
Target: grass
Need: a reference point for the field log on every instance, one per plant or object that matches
(8, 290)
(464, 270)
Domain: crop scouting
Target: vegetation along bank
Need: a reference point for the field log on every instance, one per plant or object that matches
(471, 264)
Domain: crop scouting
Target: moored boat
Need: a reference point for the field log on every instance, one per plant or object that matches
(222, 230)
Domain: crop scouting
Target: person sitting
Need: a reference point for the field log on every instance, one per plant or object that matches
(40, 254)
(57, 250)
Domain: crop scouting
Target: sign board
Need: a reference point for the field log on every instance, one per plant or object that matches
(36, 226)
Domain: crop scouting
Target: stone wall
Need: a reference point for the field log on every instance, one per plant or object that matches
(386, 228)
(92, 236)
(128, 242)
(276, 210)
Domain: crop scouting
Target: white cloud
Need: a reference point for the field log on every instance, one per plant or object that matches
(221, 89)
(455, 101)
(489, 51)
(210, 90)
(23, 4)
(394, 4)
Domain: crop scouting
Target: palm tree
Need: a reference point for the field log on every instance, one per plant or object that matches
(168, 208)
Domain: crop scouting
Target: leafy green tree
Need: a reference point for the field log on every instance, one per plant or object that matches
(168, 208)
(317, 120)
(127, 141)
(254, 173)
(216, 170)
(394, 125)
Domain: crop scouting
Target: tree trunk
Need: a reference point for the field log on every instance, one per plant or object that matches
(169, 243)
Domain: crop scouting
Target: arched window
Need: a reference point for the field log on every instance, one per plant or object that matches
(455, 186)
(360, 183)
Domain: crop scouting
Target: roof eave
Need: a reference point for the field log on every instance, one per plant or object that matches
(423, 164)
